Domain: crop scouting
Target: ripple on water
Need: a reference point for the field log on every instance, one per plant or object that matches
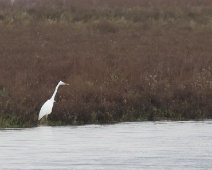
(140, 145)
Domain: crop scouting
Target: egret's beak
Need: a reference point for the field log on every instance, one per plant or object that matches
(67, 84)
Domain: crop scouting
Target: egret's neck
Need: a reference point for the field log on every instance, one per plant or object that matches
(54, 94)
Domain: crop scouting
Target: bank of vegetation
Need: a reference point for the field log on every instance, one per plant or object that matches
(125, 60)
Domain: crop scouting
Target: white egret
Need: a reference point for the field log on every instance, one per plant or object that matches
(46, 109)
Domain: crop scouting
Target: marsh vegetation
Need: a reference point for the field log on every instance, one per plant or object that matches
(125, 60)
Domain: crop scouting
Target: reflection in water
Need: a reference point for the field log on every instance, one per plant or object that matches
(144, 145)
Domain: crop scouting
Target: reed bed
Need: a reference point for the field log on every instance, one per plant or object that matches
(125, 60)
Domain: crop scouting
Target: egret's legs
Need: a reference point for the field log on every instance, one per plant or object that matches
(46, 118)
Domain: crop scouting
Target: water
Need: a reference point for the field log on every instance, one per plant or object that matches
(126, 146)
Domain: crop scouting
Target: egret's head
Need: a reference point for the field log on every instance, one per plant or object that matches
(62, 83)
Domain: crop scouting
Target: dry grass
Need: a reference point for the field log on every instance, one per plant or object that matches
(125, 60)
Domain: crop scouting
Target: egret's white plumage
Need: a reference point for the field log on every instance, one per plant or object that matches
(46, 109)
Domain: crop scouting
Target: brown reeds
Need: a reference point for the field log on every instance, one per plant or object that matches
(125, 60)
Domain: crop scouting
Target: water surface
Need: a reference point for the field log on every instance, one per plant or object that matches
(143, 145)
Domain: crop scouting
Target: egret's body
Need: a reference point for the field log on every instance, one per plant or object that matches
(46, 109)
